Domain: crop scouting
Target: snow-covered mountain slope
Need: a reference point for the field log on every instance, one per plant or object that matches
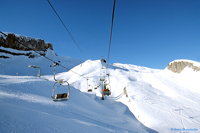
(18, 64)
(156, 101)
(160, 99)
(26, 106)
(17, 52)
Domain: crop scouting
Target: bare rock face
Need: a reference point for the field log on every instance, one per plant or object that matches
(178, 66)
(23, 43)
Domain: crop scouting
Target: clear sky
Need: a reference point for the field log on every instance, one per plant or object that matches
(148, 33)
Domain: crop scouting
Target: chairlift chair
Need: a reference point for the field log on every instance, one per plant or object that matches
(57, 95)
(106, 90)
(61, 96)
(36, 67)
(90, 88)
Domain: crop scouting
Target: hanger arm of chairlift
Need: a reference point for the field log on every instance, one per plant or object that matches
(54, 70)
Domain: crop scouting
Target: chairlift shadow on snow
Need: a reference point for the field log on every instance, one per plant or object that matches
(120, 68)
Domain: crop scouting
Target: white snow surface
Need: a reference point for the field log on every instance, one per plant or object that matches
(158, 101)
(18, 65)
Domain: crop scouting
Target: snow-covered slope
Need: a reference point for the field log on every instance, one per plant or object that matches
(18, 64)
(158, 101)
(26, 106)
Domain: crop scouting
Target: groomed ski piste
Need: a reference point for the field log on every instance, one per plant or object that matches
(156, 101)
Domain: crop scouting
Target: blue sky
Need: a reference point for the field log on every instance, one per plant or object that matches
(148, 33)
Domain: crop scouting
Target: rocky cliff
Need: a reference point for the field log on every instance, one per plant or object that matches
(178, 66)
(13, 41)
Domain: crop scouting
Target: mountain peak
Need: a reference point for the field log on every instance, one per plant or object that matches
(10, 40)
(178, 66)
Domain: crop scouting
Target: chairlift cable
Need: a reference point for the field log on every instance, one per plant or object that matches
(71, 36)
(106, 91)
(111, 30)
(65, 27)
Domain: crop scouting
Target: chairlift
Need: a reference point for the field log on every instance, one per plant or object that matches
(106, 88)
(36, 67)
(105, 79)
(97, 86)
(60, 95)
(90, 87)
(59, 91)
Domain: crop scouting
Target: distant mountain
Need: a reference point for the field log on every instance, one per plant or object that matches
(178, 66)
(18, 52)
(11, 40)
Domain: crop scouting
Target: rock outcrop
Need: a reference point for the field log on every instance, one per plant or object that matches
(23, 43)
(179, 65)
